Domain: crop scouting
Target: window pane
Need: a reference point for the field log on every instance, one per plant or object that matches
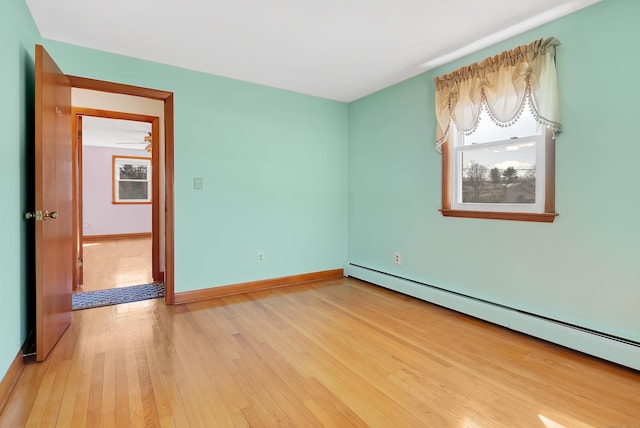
(503, 174)
(133, 172)
(488, 131)
(133, 190)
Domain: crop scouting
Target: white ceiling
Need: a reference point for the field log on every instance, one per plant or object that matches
(122, 134)
(336, 49)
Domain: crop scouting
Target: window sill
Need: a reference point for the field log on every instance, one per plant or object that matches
(537, 217)
(131, 203)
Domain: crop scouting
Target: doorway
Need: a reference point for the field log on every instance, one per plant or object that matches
(118, 200)
(163, 163)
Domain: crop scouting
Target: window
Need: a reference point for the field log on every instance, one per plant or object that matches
(502, 169)
(497, 122)
(131, 180)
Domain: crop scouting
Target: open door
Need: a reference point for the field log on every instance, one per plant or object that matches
(53, 203)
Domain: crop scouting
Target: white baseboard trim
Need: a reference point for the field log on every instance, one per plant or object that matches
(620, 351)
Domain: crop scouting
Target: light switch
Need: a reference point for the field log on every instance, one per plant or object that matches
(197, 183)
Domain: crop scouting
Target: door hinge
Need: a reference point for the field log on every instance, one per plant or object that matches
(37, 215)
(79, 262)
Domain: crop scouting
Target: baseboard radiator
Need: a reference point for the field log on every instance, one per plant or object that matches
(601, 345)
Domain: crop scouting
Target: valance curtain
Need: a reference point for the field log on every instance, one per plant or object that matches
(504, 85)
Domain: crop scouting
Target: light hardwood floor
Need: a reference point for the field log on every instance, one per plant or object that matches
(333, 353)
(113, 263)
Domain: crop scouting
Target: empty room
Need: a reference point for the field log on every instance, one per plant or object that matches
(361, 213)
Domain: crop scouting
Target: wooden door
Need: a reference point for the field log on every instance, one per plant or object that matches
(53, 203)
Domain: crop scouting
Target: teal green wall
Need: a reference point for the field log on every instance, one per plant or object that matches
(273, 163)
(17, 37)
(583, 268)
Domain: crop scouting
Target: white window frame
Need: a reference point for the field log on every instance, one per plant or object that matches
(456, 170)
(130, 160)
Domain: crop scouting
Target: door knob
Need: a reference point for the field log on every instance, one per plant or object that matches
(52, 215)
(37, 215)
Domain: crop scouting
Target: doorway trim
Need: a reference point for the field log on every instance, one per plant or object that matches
(77, 114)
(167, 98)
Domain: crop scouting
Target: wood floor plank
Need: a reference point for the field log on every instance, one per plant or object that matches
(111, 263)
(94, 410)
(331, 353)
(70, 393)
(84, 361)
(36, 415)
(168, 403)
(52, 409)
(121, 388)
(330, 407)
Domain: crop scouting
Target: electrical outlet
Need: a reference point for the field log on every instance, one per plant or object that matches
(397, 258)
(197, 183)
(260, 257)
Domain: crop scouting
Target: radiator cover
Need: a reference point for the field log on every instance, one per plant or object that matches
(601, 345)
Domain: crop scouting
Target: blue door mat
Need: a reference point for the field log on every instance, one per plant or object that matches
(116, 296)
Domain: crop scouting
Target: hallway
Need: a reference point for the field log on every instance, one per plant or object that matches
(112, 263)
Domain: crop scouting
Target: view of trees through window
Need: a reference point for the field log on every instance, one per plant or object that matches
(133, 182)
(498, 163)
(133, 172)
(508, 185)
